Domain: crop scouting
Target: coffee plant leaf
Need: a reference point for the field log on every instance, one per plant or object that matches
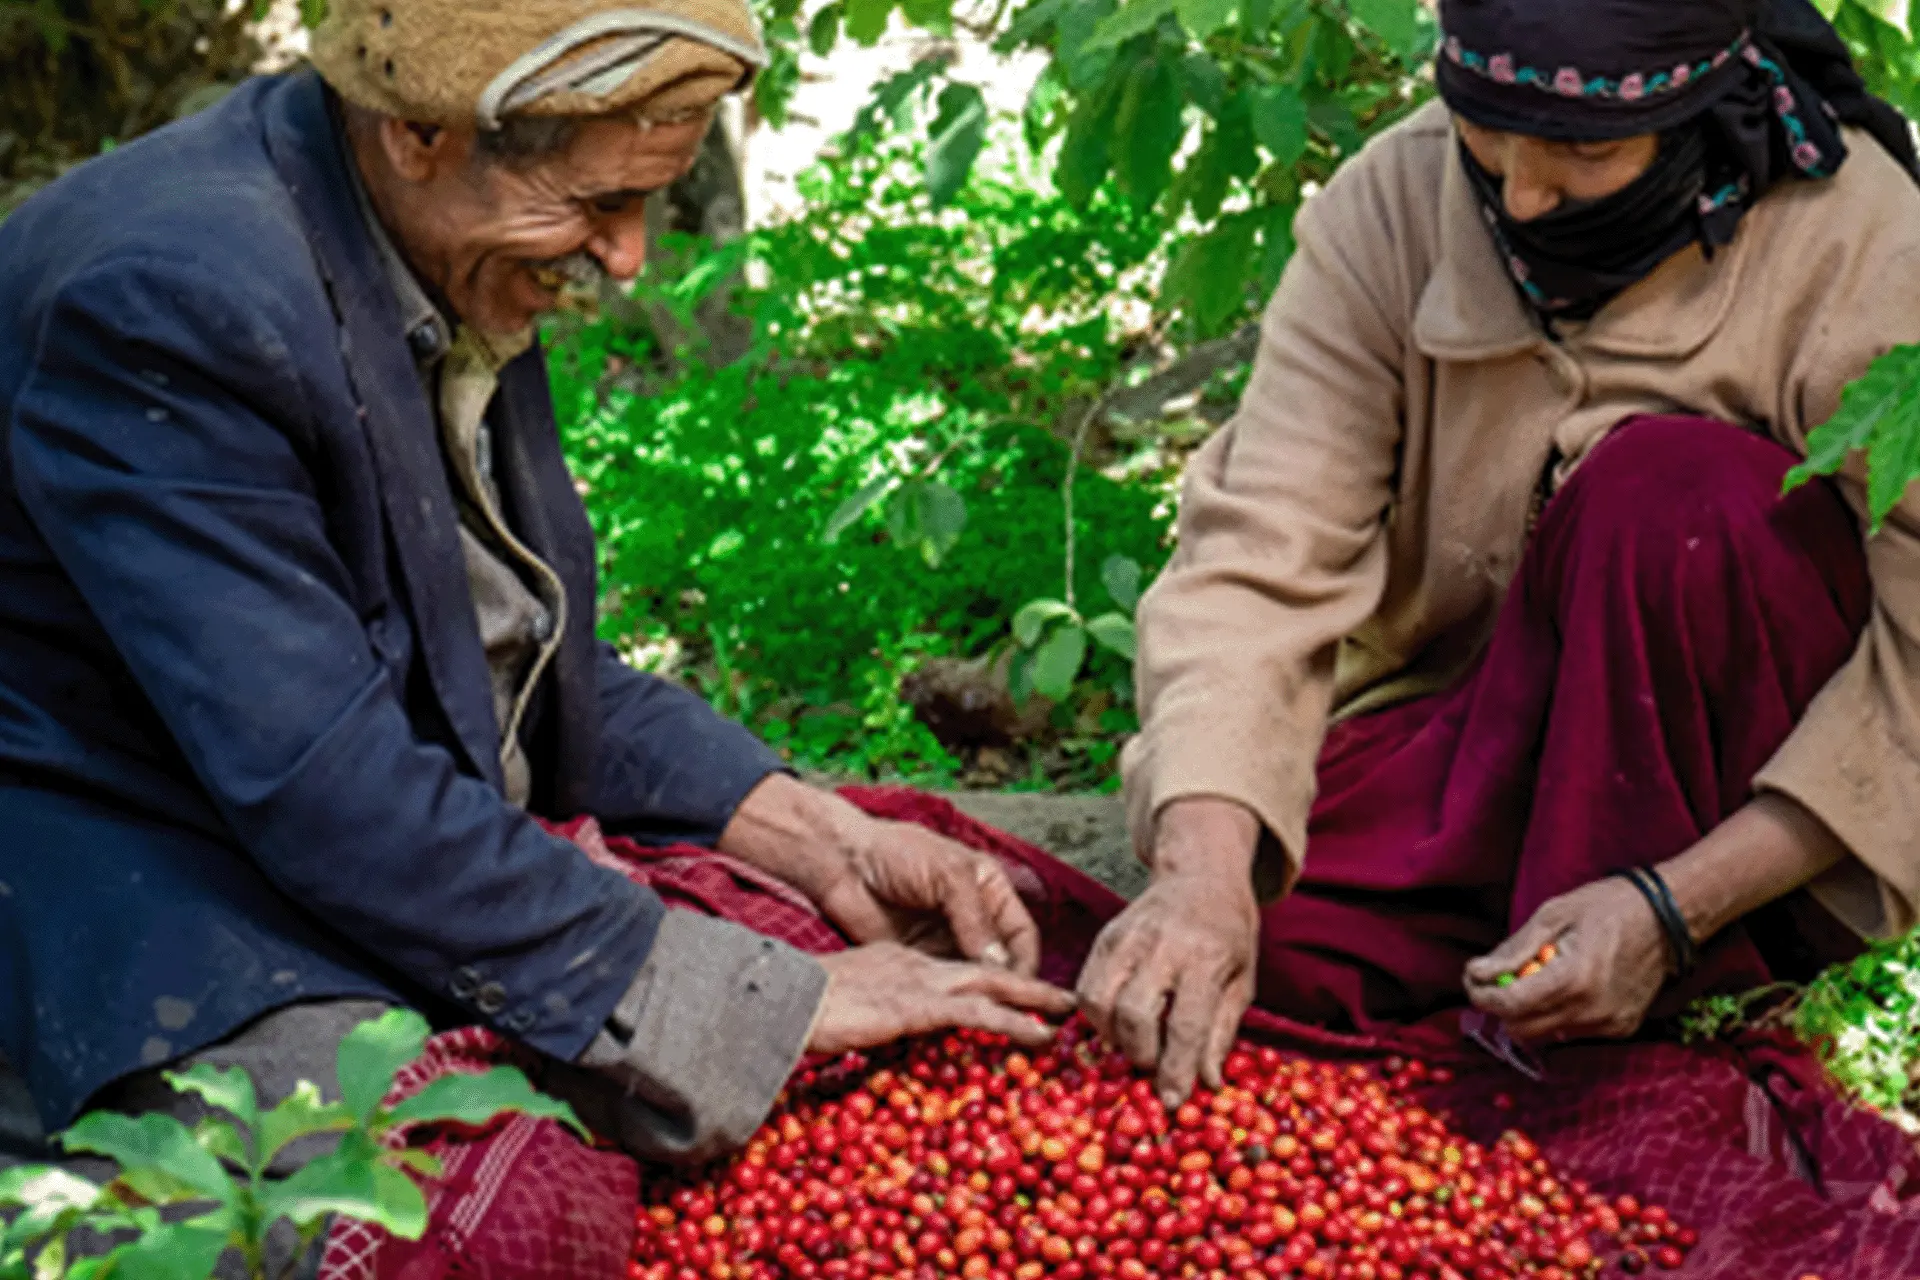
(1148, 128)
(1086, 155)
(229, 1090)
(299, 1114)
(1120, 575)
(1206, 83)
(1057, 663)
(477, 1099)
(1135, 18)
(824, 31)
(847, 513)
(1208, 276)
(866, 20)
(958, 133)
(1202, 18)
(1879, 416)
(1033, 617)
(373, 1053)
(157, 1155)
(929, 15)
(1280, 121)
(1396, 22)
(1113, 631)
(352, 1181)
(1085, 60)
(183, 1251)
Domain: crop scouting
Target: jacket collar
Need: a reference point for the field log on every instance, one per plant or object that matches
(1470, 310)
(393, 409)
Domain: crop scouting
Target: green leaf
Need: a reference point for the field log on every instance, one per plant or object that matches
(1148, 129)
(1207, 178)
(223, 1140)
(1276, 234)
(824, 31)
(1121, 577)
(48, 1198)
(1879, 414)
(1396, 22)
(866, 20)
(957, 133)
(1057, 662)
(1034, 617)
(372, 1053)
(1135, 18)
(313, 12)
(1202, 18)
(301, 1113)
(929, 15)
(157, 1155)
(186, 1251)
(1086, 154)
(475, 1100)
(352, 1182)
(1210, 276)
(1113, 631)
(892, 95)
(853, 508)
(1029, 22)
(1280, 122)
(929, 515)
(1086, 61)
(229, 1090)
(1206, 82)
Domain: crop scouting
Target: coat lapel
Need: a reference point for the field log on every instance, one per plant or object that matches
(547, 515)
(394, 413)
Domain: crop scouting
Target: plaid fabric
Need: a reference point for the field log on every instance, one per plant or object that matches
(1744, 1144)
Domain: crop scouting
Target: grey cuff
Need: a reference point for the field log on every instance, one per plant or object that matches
(704, 1039)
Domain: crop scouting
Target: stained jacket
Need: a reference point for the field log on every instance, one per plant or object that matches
(248, 753)
(1348, 537)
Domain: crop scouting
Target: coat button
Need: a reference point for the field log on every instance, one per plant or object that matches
(542, 626)
(521, 1022)
(492, 999)
(465, 982)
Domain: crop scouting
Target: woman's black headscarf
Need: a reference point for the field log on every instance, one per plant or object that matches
(1743, 94)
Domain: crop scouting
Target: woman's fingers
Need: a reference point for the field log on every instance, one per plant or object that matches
(1139, 1013)
(1189, 1027)
(1519, 948)
(1226, 1026)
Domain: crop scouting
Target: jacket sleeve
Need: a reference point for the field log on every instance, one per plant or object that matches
(161, 447)
(1281, 552)
(1854, 758)
(672, 769)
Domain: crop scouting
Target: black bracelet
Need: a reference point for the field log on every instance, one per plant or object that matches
(1667, 912)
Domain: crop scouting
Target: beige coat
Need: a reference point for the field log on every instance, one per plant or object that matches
(1347, 538)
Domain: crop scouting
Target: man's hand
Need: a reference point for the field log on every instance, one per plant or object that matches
(876, 994)
(1612, 961)
(1170, 978)
(884, 881)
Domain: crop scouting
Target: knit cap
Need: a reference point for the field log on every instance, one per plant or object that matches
(479, 62)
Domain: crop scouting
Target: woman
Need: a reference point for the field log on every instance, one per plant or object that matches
(1503, 506)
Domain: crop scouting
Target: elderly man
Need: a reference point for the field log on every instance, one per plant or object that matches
(297, 608)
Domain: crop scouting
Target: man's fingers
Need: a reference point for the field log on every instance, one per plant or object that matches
(1189, 1023)
(983, 1014)
(1011, 919)
(961, 902)
(1010, 988)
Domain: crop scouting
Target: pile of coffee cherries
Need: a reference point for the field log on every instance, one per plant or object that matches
(963, 1157)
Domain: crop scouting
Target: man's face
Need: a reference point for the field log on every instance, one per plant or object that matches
(500, 238)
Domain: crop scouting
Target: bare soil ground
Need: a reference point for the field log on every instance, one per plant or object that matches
(1090, 832)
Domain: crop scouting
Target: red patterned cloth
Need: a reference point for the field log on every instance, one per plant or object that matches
(1780, 1179)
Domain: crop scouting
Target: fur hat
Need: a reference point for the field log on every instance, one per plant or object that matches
(478, 62)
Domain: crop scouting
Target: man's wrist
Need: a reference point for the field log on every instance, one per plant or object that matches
(800, 834)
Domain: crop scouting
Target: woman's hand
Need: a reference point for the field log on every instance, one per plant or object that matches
(1612, 961)
(1171, 976)
(876, 994)
(884, 881)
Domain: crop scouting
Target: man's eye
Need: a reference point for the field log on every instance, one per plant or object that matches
(615, 203)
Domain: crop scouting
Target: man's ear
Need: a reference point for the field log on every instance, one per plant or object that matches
(420, 152)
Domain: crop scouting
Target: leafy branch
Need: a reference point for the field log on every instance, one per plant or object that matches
(218, 1170)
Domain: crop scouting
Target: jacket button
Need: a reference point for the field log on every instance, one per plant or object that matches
(465, 982)
(521, 1022)
(492, 999)
(542, 626)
